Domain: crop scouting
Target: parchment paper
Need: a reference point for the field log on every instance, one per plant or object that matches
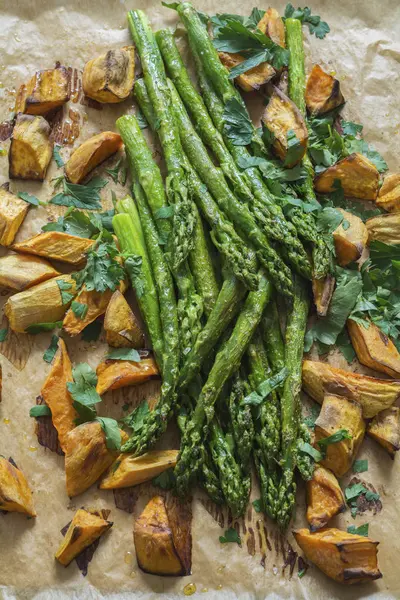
(363, 49)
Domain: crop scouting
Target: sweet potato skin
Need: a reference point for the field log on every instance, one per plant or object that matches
(15, 493)
(109, 78)
(322, 293)
(31, 149)
(115, 374)
(374, 395)
(359, 178)
(385, 429)
(350, 242)
(13, 211)
(56, 245)
(345, 557)
(325, 498)
(374, 349)
(19, 271)
(389, 194)
(84, 529)
(45, 91)
(129, 470)
(121, 325)
(272, 25)
(322, 92)
(90, 154)
(254, 78)
(384, 228)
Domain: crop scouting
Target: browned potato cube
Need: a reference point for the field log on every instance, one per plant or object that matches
(359, 178)
(45, 91)
(15, 494)
(272, 25)
(322, 292)
(84, 529)
(322, 92)
(121, 325)
(345, 557)
(110, 76)
(385, 429)
(115, 374)
(374, 349)
(389, 194)
(384, 228)
(325, 498)
(31, 149)
(130, 470)
(90, 154)
(12, 213)
(19, 271)
(254, 78)
(56, 245)
(350, 242)
(281, 117)
(339, 413)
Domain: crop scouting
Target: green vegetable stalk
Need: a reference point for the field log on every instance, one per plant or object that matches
(272, 334)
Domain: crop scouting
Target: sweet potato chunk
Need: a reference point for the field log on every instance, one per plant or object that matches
(31, 149)
(90, 154)
(345, 557)
(84, 529)
(45, 91)
(41, 303)
(384, 228)
(254, 78)
(56, 245)
(156, 550)
(272, 25)
(389, 194)
(325, 498)
(110, 76)
(56, 395)
(374, 349)
(19, 272)
(282, 118)
(339, 413)
(385, 429)
(372, 394)
(121, 325)
(115, 374)
(130, 470)
(12, 213)
(322, 92)
(15, 493)
(350, 238)
(86, 457)
(322, 292)
(359, 178)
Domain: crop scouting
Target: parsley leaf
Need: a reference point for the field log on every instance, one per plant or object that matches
(165, 212)
(166, 480)
(40, 410)
(66, 297)
(51, 350)
(257, 504)
(80, 196)
(353, 491)
(91, 333)
(360, 465)
(133, 266)
(294, 148)
(266, 387)
(345, 346)
(30, 199)
(76, 222)
(143, 124)
(83, 392)
(124, 354)
(3, 334)
(41, 327)
(273, 169)
(137, 417)
(306, 448)
(311, 417)
(57, 156)
(338, 436)
(112, 432)
(114, 171)
(101, 272)
(237, 124)
(315, 25)
(79, 309)
(361, 530)
(371, 496)
(230, 536)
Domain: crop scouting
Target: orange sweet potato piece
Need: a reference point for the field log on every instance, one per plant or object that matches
(90, 154)
(384, 228)
(254, 78)
(389, 194)
(15, 493)
(325, 498)
(45, 91)
(19, 271)
(351, 240)
(272, 25)
(84, 529)
(121, 325)
(129, 470)
(56, 245)
(115, 374)
(374, 349)
(322, 292)
(110, 76)
(385, 429)
(358, 177)
(12, 213)
(31, 148)
(322, 92)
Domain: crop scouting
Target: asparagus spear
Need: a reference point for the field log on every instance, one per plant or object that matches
(227, 361)
(273, 339)
(178, 183)
(132, 244)
(238, 213)
(147, 173)
(269, 216)
(297, 85)
(290, 400)
(240, 258)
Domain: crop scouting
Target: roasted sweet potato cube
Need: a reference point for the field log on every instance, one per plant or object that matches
(325, 498)
(56, 395)
(19, 271)
(322, 92)
(42, 303)
(56, 245)
(115, 374)
(350, 238)
(358, 177)
(344, 557)
(374, 349)
(252, 79)
(12, 213)
(45, 91)
(90, 154)
(84, 529)
(389, 194)
(86, 457)
(156, 551)
(385, 429)
(282, 118)
(130, 470)
(110, 76)
(31, 148)
(384, 228)
(121, 325)
(272, 25)
(322, 292)
(372, 394)
(338, 413)
(15, 493)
